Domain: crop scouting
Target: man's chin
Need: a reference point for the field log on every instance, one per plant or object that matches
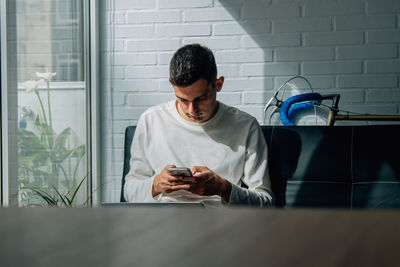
(195, 118)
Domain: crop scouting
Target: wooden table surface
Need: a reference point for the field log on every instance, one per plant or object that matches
(181, 236)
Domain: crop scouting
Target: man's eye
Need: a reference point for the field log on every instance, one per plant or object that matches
(201, 98)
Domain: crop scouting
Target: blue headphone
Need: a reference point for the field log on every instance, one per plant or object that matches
(297, 103)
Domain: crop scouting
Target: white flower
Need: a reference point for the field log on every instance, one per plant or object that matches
(46, 75)
(31, 85)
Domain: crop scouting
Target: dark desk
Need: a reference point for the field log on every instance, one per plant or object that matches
(172, 236)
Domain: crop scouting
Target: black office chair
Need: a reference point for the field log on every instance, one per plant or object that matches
(129, 133)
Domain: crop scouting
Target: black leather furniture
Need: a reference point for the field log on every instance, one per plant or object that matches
(352, 167)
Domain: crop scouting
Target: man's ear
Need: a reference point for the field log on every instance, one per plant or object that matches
(219, 82)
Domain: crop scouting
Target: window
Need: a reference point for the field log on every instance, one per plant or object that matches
(47, 92)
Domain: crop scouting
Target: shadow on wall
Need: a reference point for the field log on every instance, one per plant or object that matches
(256, 19)
(346, 47)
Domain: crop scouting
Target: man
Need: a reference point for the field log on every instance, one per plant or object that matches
(223, 146)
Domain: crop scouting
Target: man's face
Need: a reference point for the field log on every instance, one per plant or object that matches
(198, 101)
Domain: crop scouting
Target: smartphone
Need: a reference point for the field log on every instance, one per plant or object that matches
(180, 171)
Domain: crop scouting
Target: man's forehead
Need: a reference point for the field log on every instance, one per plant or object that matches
(193, 91)
(190, 97)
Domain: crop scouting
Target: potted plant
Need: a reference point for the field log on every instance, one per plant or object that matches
(48, 164)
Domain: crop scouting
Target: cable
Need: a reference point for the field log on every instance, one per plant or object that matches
(291, 79)
(338, 110)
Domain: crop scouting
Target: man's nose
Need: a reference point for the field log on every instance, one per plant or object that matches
(192, 106)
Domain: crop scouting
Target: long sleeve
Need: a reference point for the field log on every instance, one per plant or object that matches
(256, 175)
(139, 180)
(244, 196)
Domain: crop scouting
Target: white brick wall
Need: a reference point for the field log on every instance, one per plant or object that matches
(333, 39)
(348, 47)
(134, 4)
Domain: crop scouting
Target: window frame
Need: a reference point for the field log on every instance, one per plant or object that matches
(5, 114)
(91, 74)
(2, 5)
(93, 112)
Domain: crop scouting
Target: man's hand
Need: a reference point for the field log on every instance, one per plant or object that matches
(167, 183)
(209, 183)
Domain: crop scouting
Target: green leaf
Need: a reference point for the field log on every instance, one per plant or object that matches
(62, 138)
(24, 161)
(41, 158)
(50, 200)
(61, 197)
(29, 143)
(79, 151)
(46, 136)
(91, 194)
(77, 188)
(46, 167)
(59, 154)
(69, 201)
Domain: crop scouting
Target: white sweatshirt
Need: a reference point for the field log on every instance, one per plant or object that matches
(231, 144)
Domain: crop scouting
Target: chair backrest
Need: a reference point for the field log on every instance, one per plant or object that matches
(352, 167)
(129, 133)
(310, 166)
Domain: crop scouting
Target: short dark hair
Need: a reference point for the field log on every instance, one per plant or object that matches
(191, 63)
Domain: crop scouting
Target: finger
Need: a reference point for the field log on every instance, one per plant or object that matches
(167, 167)
(183, 182)
(189, 180)
(179, 183)
(167, 175)
(200, 169)
(168, 183)
(178, 180)
(176, 188)
(171, 178)
(164, 173)
(179, 187)
(202, 175)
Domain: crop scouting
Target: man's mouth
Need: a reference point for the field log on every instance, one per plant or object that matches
(195, 116)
